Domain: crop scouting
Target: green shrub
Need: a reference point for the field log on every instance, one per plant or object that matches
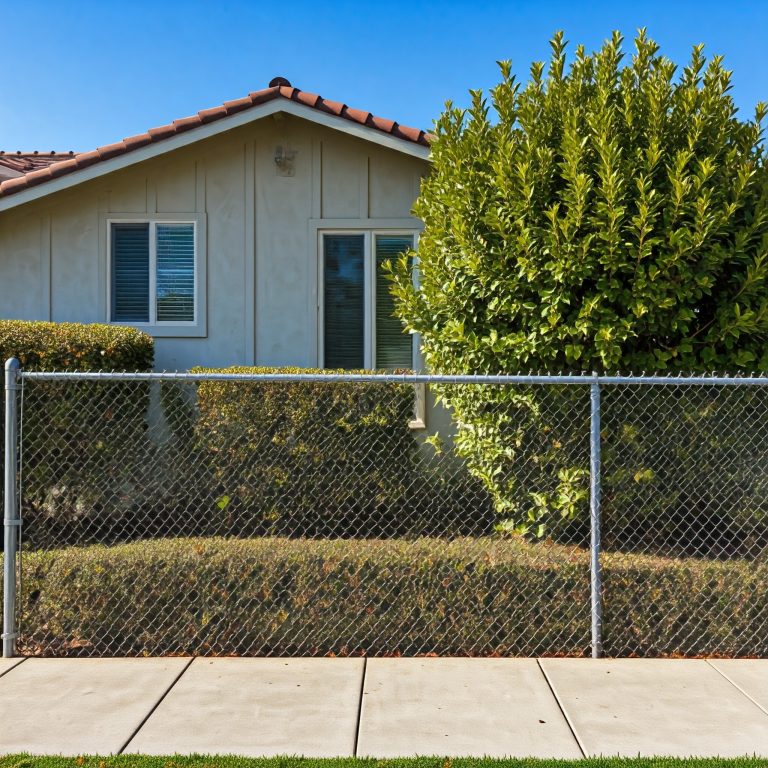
(246, 458)
(78, 437)
(312, 458)
(610, 214)
(684, 470)
(682, 467)
(279, 596)
(684, 606)
(43, 346)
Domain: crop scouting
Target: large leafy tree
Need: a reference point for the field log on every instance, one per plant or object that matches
(608, 214)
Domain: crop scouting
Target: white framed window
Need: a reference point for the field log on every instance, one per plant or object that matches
(358, 328)
(155, 274)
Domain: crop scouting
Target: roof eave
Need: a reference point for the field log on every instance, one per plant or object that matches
(205, 131)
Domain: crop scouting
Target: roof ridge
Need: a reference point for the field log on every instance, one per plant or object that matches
(282, 89)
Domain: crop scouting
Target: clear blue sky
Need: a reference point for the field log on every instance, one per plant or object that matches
(77, 74)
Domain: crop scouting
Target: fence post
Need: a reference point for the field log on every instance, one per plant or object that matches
(594, 520)
(11, 521)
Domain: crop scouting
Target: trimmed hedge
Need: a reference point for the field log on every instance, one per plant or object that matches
(317, 458)
(480, 596)
(78, 437)
(246, 458)
(75, 346)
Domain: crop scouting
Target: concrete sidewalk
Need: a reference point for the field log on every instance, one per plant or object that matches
(385, 707)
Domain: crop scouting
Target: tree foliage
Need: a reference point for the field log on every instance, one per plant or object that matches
(607, 214)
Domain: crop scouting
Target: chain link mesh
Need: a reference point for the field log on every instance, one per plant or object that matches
(309, 517)
(685, 476)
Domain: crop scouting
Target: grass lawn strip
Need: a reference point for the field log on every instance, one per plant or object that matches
(203, 761)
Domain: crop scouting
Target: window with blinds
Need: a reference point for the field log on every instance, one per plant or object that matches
(152, 272)
(130, 273)
(360, 329)
(394, 347)
(344, 301)
(175, 273)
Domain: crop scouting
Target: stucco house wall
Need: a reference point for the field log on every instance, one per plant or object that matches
(258, 228)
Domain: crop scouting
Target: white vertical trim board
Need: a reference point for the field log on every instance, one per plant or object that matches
(151, 196)
(200, 186)
(369, 298)
(104, 205)
(364, 190)
(316, 177)
(45, 266)
(319, 258)
(249, 283)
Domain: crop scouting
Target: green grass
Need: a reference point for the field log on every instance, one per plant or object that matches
(202, 761)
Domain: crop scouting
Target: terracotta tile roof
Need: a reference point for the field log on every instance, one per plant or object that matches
(26, 162)
(37, 168)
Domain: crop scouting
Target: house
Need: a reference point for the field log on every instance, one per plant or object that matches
(248, 234)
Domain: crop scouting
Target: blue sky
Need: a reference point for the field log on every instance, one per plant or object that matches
(76, 75)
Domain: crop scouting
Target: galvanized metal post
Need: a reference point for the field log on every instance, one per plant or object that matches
(594, 517)
(11, 521)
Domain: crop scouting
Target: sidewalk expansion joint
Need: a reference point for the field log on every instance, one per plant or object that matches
(360, 707)
(560, 706)
(14, 666)
(154, 708)
(737, 687)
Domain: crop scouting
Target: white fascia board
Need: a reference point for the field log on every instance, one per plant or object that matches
(206, 131)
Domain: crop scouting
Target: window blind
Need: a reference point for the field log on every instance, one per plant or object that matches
(344, 294)
(394, 348)
(175, 272)
(130, 273)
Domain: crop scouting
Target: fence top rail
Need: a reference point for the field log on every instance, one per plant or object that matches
(396, 378)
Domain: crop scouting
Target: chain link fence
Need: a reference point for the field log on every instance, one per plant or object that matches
(307, 514)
